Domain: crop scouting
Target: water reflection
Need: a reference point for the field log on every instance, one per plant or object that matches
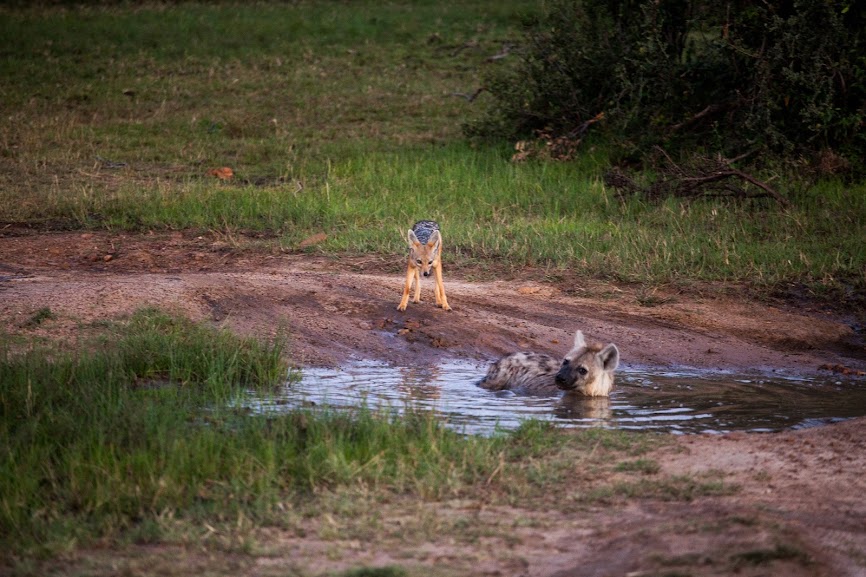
(419, 383)
(584, 409)
(677, 402)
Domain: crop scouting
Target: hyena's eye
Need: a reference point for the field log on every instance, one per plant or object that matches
(418, 261)
(582, 371)
(431, 262)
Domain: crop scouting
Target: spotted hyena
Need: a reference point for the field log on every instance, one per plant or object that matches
(587, 369)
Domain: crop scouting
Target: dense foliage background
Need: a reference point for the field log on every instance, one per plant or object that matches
(780, 76)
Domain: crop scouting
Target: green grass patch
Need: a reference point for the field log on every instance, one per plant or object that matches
(141, 435)
(781, 552)
(343, 119)
(98, 442)
(642, 466)
(388, 571)
(39, 317)
(674, 488)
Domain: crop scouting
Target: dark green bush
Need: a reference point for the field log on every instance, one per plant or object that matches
(781, 76)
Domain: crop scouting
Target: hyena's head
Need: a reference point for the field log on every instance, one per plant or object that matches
(423, 254)
(588, 368)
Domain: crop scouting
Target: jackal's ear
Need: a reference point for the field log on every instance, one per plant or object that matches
(579, 341)
(435, 239)
(609, 356)
(413, 240)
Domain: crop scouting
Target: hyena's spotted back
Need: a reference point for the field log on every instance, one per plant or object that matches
(585, 369)
(530, 373)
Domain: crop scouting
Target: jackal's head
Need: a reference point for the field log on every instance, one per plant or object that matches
(422, 255)
(588, 368)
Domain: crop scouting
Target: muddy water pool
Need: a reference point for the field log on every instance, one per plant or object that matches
(679, 402)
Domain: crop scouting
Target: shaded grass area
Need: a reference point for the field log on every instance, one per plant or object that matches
(345, 119)
(141, 436)
(274, 90)
(103, 442)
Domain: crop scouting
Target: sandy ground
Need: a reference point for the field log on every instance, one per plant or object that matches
(800, 507)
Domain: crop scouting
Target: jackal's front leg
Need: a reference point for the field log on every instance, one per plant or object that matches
(410, 274)
(417, 298)
(439, 285)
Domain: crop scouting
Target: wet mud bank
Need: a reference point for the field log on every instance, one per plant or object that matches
(798, 509)
(339, 310)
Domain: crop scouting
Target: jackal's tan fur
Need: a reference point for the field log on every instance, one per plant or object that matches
(425, 255)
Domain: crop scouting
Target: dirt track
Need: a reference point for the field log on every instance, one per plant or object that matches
(336, 309)
(800, 490)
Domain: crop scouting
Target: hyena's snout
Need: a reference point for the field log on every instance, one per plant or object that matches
(567, 377)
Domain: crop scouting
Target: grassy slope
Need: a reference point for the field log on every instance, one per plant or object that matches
(139, 437)
(341, 118)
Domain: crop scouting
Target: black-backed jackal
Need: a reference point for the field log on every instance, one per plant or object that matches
(425, 255)
(587, 369)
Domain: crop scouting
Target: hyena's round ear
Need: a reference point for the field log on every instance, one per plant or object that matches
(579, 341)
(413, 240)
(435, 239)
(609, 357)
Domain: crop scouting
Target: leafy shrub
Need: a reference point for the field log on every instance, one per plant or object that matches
(785, 76)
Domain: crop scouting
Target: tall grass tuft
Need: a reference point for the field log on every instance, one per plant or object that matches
(97, 441)
(147, 425)
(144, 436)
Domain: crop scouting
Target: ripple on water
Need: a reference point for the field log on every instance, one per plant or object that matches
(676, 402)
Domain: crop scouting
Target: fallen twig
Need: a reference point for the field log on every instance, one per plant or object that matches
(706, 177)
(506, 50)
(467, 96)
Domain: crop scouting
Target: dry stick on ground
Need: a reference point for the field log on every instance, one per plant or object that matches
(469, 97)
(583, 127)
(506, 50)
(702, 180)
(707, 112)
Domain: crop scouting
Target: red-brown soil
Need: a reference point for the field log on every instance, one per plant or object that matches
(799, 509)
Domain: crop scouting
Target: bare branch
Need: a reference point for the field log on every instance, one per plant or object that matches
(778, 197)
(580, 130)
(506, 50)
(707, 177)
(469, 97)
